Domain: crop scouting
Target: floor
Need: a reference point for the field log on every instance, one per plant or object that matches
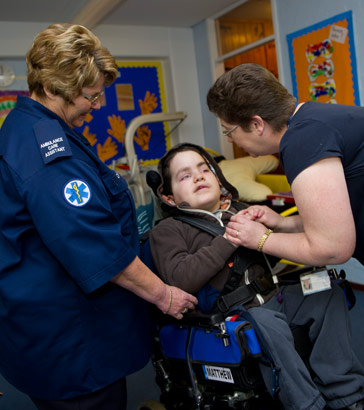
(141, 385)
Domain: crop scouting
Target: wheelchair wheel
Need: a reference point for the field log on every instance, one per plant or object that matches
(151, 405)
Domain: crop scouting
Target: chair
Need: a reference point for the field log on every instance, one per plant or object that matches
(209, 362)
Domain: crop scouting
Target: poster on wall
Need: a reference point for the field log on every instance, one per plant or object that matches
(138, 90)
(323, 62)
(7, 102)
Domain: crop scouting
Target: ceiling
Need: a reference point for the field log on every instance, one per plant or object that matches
(167, 13)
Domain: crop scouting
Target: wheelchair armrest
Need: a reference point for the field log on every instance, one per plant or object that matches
(193, 318)
(196, 318)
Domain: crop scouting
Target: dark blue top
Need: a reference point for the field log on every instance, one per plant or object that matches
(67, 227)
(320, 131)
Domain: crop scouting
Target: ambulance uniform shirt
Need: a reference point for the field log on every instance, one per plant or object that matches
(67, 227)
(320, 131)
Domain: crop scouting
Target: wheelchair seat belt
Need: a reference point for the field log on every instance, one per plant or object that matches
(238, 289)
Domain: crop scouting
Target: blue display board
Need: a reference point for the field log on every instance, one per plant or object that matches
(138, 90)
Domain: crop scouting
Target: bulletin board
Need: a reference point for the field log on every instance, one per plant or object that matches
(138, 90)
(323, 62)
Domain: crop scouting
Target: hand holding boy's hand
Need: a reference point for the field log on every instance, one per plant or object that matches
(262, 214)
(243, 231)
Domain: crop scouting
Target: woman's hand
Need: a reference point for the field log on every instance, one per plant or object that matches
(264, 215)
(139, 279)
(176, 302)
(242, 230)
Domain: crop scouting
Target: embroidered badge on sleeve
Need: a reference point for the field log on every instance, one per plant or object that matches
(52, 140)
(77, 192)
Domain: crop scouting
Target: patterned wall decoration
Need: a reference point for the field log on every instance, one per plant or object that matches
(7, 102)
(323, 62)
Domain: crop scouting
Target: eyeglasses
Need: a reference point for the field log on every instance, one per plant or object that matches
(226, 133)
(93, 98)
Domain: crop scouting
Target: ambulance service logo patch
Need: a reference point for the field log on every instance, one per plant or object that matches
(77, 192)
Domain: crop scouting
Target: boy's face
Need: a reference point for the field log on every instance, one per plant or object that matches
(193, 182)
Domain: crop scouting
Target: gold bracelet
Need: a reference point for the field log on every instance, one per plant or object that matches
(170, 299)
(263, 239)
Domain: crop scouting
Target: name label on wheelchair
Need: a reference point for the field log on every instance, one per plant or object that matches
(220, 374)
(315, 282)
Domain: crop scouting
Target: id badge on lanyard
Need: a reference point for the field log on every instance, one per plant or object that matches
(314, 282)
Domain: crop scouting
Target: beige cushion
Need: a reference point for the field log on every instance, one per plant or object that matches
(241, 172)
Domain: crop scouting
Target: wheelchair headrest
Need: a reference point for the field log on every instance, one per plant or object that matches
(154, 180)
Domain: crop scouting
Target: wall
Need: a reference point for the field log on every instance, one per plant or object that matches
(288, 17)
(293, 15)
(206, 55)
(206, 77)
(189, 56)
(174, 46)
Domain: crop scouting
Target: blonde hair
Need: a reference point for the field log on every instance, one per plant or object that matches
(65, 58)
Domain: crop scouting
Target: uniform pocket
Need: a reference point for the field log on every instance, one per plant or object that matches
(121, 200)
(114, 183)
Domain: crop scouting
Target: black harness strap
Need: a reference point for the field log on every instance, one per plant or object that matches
(202, 224)
(239, 296)
(243, 259)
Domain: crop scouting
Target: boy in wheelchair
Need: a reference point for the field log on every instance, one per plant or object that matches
(201, 263)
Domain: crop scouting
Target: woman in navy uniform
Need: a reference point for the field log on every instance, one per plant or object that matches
(72, 315)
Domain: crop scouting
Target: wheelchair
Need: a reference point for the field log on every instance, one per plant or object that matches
(211, 361)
